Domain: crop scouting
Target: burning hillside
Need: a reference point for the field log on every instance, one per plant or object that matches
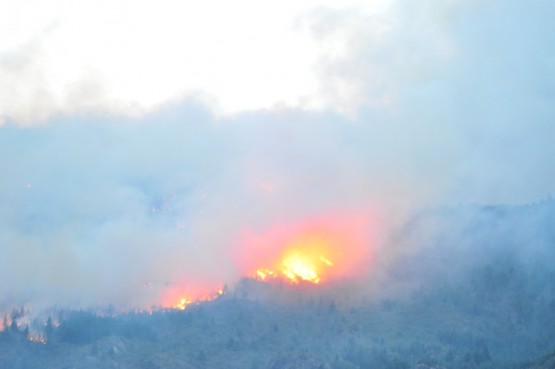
(336, 246)
(180, 298)
(313, 251)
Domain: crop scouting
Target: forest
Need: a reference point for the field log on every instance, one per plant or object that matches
(490, 305)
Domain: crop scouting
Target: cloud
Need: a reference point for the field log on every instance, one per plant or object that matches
(131, 58)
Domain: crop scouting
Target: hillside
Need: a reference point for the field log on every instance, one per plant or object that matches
(498, 312)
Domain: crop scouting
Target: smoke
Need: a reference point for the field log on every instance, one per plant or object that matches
(429, 106)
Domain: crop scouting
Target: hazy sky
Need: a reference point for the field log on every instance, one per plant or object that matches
(139, 139)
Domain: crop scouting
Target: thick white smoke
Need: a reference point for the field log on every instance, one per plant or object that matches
(424, 105)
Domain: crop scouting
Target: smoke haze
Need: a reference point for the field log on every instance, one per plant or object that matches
(418, 107)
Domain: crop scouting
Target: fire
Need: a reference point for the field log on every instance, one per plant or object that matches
(313, 251)
(264, 274)
(328, 248)
(183, 303)
(297, 267)
(181, 298)
(305, 259)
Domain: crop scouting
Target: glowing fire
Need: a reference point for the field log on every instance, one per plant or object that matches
(297, 266)
(176, 298)
(183, 303)
(264, 274)
(314, 251)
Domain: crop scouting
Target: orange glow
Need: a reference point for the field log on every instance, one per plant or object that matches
(315, 251)
(181, 297)
(264, 274)
(183, 303)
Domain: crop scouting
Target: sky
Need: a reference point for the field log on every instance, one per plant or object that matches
(140, 140)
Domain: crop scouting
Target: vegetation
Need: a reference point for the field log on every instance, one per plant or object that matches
(497, 311)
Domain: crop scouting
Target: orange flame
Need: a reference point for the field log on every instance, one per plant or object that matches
(180, 297)
(306, 260)
(314, 251)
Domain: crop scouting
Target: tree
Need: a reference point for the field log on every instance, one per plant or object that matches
(49, 329)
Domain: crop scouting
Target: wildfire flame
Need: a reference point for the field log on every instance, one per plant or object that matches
(176, 298)
(315, 251)
(296, 266)
(264, 274)
(312, 251)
